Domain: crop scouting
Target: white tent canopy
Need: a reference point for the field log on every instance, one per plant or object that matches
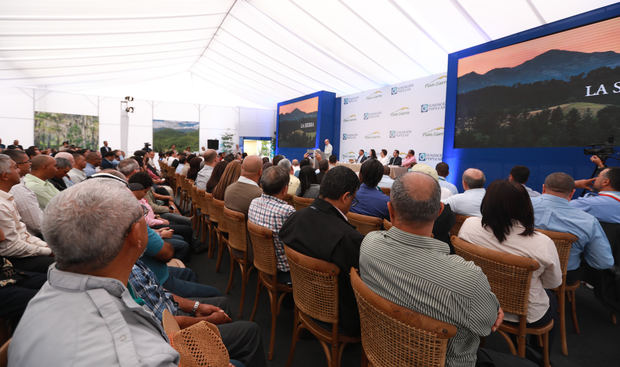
(248, 52)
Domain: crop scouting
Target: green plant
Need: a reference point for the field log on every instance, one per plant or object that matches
(227, 141)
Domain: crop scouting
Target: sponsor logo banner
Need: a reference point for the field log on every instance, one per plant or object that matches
(441, 80)
(423, 157)
(375, 94)
(432, 107)
(372, 115)
(401, 112)
(350, 118)
(373, 135)
(348, 100)
(401, 89)
(399, 133)
(349, 136)
(436, 131)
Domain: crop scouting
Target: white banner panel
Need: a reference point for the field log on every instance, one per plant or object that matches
(404, 116)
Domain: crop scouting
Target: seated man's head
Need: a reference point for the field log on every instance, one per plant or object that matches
(442, 169)
(559, 184)
(94, 158)
(95, 228)
(129, 167)
(43, 167)
(274, 181)
(519, 174)
(339, 187)
(473, 178)
(415, 203)
(62, 167)
(140, 183)
(371, 173)
(323, 165)
(396, 153)
(607, 180)
(109, 155)
(277, 158)
(21, 159)
(66, 155)
(333, 159)
(286, 164)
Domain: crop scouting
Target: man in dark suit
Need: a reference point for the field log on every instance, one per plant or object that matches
(322, 231)
(395, 160)
(239, 195)
(15, 145)
(105, 148)
(361, 157)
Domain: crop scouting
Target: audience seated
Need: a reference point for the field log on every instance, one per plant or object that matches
(296, 167)
(230, 176)
(277, 158)
(445, 286)
(370, 200)
(69, 322)
(62, 167)
(361, 157)
(552, 211)
(322, 231)
(468, 203)
(507, 225)
(93, 160)
(332, 161)
(194, 168)
(205, 173)
(24, 250)
(308, 183)
(68, 156)
(77, 174)
(443, 170)
(271, 211)
(216, 175)
(409, 159)
(604, 202)
(396, 160)
(323, 168)
(520, 174)
(25, 199)
(386, 180)
(108, 160)
(383, 157)
(293, 183)
(43, 168)
(240, 194)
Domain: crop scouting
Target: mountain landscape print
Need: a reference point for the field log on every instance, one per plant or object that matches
(297, 123)
(558, 90)
(180, 133)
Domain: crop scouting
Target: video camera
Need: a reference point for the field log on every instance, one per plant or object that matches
(603, 151)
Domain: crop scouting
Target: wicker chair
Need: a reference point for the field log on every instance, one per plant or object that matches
(4, 354)
(563, 243)
(365, 223)
(265, 263)
(217, 209)
(300, 203)
(458, 223)
(315, 290)
(393, 335)
(289, 199)
(510, 277)
(198, 345)
(239, 250)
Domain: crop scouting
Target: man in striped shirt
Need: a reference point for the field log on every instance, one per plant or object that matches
(408, 267)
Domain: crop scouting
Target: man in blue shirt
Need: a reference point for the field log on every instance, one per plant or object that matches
(93, 160)
(604, 203)
(369, 199)
(553, 212)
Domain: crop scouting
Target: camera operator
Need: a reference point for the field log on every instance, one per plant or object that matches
(604, 200)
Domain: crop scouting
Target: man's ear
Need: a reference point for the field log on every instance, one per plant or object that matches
(544, 190)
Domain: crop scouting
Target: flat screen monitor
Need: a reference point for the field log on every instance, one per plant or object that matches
(297, 123)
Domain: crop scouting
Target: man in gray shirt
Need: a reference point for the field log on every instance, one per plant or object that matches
(84, 314)
(205, 173)
(410, 268)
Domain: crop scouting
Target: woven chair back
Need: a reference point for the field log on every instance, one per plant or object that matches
(235, 226)
(315, 286)
(208, 200)
(300, 203)
(509, 275)
(289, 199)
(217, 211)
(364, 223)
(458, 223)
(264, 250)
(563, 243)
(393, 335)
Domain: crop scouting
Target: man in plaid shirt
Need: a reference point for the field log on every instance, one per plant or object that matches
(271, 211)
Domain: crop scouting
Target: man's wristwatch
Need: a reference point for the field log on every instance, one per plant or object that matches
(196, 304)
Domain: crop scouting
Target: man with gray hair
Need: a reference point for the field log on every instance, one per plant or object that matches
(24, 250)
(77, 174)
(88, 285)
(205, 173)
(447, 287)
(63, 166)
(468, 203)
(293, 183)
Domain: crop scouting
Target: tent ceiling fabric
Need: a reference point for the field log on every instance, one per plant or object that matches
(249, 52)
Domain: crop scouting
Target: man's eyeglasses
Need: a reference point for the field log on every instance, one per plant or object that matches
(24, 162)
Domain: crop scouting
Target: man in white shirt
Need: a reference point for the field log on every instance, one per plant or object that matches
(443, 170)
(24, 251)
(328, 149)
(77, 174)
(383, 157)
(25, 199)
(205, 173)
(468, 203)
(386, 180)
(521, 174)
(296, 167)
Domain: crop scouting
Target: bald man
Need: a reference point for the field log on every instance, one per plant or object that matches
(205, 173)
(43, 168)
(468, 203)
(239, 195)
(93, 160)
